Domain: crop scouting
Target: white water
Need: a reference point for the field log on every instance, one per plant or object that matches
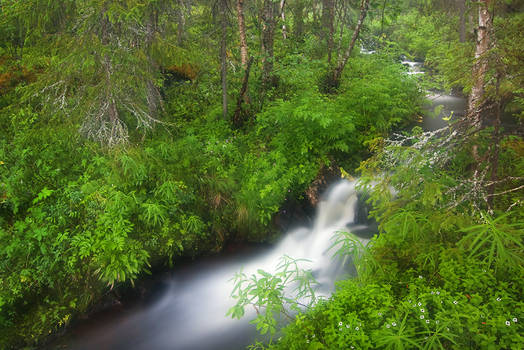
(191, 313)
(451, 107)
(414, 67)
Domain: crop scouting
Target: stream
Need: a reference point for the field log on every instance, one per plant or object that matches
(445, 105)
(190, 313)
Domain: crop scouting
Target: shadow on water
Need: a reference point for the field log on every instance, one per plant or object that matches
(189, 311)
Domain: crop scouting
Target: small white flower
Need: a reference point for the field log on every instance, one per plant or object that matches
(419, 303)
(347, 326)
(514, 320)
(427, 321)
(422, 310)
(387, 326)
(455, 302)
(352, 347)
(394, 324)
(356, 328)
(340, 323)
(438, 293)
(420, 277)
(498, 299)
(508, 323)
(421, 317)
(409, 301)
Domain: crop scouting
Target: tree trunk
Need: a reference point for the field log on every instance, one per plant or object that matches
(364, 7)
(181, 26)
(153, 96)
(476, 97)
(328, 15)
(283, 17)
(223, 57)
(238, 119)
(242, 32)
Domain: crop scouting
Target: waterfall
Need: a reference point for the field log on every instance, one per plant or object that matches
(190, 314)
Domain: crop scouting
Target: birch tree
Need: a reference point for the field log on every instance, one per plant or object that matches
(476, 98)
(337, 72)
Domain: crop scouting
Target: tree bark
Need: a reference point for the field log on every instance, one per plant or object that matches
(237, 118)
(223, 56)
(328, 16)
(283, 17)
(364, 7)
(480, 67)
(242, 32)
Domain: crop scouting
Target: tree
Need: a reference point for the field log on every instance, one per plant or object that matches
(242, 33)
(327, 30)
(268, 16)
(223, 4)
(476, 98)
(106, 75)
(337, 72)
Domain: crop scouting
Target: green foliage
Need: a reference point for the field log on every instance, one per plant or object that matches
(77, 218)
(496, 242)
(271, 294)
(348, 245)
(460, 303)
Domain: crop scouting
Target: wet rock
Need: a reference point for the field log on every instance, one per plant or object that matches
(326, 176)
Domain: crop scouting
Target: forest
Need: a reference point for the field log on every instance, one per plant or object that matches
(140, 135)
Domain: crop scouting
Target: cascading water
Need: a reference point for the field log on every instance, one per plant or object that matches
(449, 106)
(190, 314)
(414, 67)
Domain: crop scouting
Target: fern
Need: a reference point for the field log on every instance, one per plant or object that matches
(495, 242)
(153, 214)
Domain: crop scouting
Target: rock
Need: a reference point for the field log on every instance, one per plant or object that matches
(326, 176)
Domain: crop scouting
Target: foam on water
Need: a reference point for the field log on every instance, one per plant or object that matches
(190, 315)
